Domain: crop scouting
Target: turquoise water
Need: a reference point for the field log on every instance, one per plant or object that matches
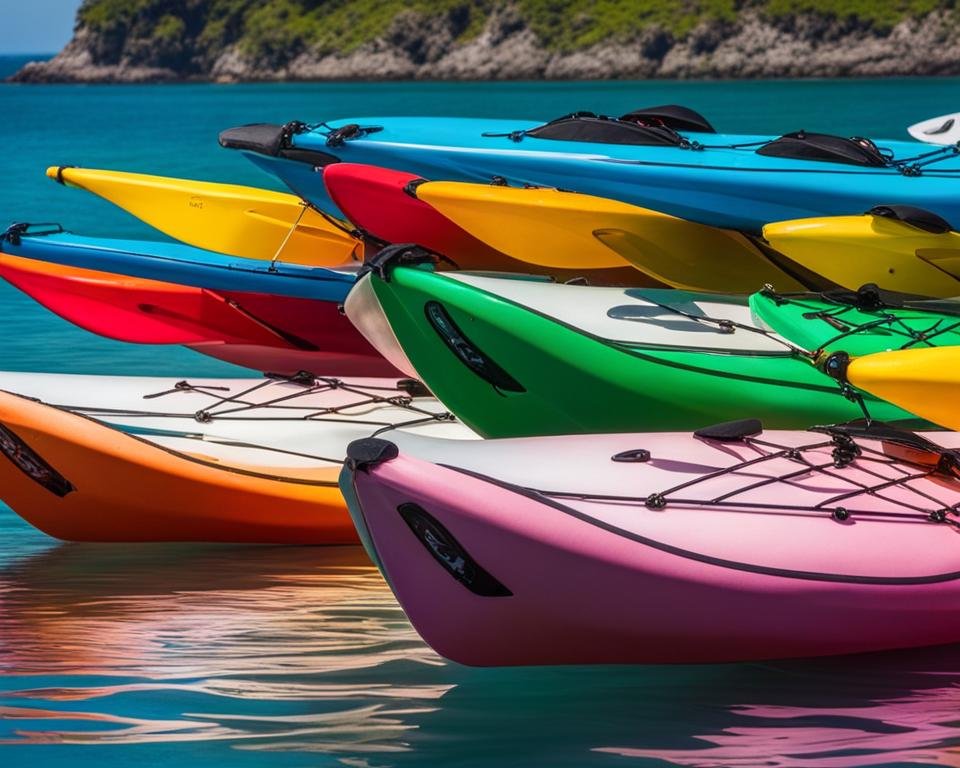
(10, 64)
(267, 656)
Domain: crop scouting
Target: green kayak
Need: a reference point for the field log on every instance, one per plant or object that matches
(858, 322)
(517, 357)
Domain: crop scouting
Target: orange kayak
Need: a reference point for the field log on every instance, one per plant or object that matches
(80, 479)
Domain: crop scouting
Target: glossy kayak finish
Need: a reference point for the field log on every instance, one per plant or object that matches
(554, 228)
(230, 460)
(540, 358)
(734, 188)
(382, 203)
(388, 205)
(183, 264)
(854, 250)
(840, 321)
(301, 178)
(924, 380)
(937, 130)
(565, 551)
(133, 309)
(281, 334)
(228, 218)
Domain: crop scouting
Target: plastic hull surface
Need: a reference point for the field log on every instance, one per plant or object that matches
(281, 334)
(855, 250)
(232, 460)
(494, 572)
(734, 188)
(241, 221)
(583, 359)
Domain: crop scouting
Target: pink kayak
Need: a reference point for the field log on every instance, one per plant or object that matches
(728, 545)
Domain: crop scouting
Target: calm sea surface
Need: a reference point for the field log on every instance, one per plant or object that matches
(268, 656)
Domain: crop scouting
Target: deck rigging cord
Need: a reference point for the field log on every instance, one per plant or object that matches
(286, 237)
(871, 299)
(663, 134)
(845, 304)
(232, 406)
(845, 452)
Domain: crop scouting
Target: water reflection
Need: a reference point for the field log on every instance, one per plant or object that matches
(139, 644)
(884, 709)
(287, 656)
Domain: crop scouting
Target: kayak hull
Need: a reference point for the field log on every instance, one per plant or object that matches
(852, 251)
(554, 228)
(597, 596)
(103, 458)
(831, 322)
(718, 185)
(389, 205)
(124, 489)
(924, 380)
(301, 178)
(281, 334)
(236, 220)
(566, 379)
(180, 264)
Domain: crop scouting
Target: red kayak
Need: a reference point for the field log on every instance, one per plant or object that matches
(280, 334)
(383, 203)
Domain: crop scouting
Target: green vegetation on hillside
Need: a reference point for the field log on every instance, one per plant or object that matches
(340, 26)
(189, 34)
(881, 14)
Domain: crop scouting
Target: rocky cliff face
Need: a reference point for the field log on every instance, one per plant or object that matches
(168, 40)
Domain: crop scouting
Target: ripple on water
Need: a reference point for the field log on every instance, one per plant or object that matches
(303, 651)
(305, 643)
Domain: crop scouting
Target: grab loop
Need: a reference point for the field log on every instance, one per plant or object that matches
(399, 254)
(60, 170)
(15, 232)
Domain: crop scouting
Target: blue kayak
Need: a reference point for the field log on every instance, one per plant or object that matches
(176, 263)
(679, 167)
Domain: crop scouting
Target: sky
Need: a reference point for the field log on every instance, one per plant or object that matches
(35, 26)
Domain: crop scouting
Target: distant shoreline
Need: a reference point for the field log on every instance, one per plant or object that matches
(751, 46)
(479, 82)
(11, 63)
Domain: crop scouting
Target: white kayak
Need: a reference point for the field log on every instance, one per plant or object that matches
(944, 129)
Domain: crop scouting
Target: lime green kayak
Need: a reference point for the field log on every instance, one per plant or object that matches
(515, 357)
(858, 322)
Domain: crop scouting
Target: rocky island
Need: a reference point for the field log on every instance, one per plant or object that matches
(263, 40)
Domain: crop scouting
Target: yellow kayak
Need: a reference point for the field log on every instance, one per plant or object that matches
(228, 218)
(568, 230)
(898, 251)
(922, 381)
